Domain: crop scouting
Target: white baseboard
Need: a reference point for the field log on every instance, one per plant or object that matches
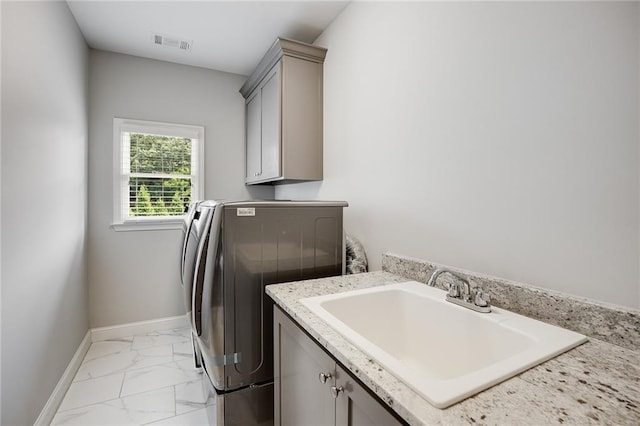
(50, 408)
(98, 335)
(141, 327)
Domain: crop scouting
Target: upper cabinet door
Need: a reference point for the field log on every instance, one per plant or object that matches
(284, 114)
(271, 125)
(254, 136)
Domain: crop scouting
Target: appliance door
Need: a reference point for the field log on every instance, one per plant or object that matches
(264, 246)
(191, 253)
(191, 231)
(207, 300)
(188, 252)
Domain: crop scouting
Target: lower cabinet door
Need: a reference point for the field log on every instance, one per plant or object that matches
(304, 374)
(311, 389)
(355, 406)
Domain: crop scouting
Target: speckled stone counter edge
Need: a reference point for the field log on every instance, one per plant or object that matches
(611, 324)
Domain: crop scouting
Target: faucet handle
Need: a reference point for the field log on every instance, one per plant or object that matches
(481, 298)
(454, 290)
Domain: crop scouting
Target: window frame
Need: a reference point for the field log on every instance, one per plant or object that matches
(121, 178)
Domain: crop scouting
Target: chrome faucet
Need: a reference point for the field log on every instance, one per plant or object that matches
(454, 289)
(461, 293)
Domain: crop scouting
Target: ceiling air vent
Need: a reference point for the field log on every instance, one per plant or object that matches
(172, 42)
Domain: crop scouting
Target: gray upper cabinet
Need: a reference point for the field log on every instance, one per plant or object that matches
(284, 114)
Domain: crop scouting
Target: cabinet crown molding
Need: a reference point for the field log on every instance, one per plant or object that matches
(281, 47)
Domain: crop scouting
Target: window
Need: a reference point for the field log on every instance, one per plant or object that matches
(158, 171)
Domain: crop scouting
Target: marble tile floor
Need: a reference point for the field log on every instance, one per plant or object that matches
(137, 380)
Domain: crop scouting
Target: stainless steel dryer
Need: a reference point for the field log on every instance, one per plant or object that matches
(242, 247)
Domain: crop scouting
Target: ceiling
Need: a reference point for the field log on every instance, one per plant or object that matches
(229, 36)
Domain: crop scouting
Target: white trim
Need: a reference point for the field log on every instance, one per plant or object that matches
(150, 128)
(150, 224)
(140, 327)
(120, 181)
(51, 407)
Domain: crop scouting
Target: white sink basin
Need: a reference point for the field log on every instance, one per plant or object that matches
(444, 352)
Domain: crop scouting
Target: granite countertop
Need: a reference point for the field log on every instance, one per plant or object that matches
(595, 383)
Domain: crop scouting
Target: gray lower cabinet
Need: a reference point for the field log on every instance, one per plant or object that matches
(312, 389)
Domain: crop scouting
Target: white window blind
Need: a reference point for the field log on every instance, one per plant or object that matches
(158, 171)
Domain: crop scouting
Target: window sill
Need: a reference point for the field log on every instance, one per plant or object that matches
(148, 225)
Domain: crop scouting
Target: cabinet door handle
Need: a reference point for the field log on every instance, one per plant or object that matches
(335, 391)
(324, 376)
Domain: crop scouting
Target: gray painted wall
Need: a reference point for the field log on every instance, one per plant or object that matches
(44, 196)
(497, 137)
(134, 275)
